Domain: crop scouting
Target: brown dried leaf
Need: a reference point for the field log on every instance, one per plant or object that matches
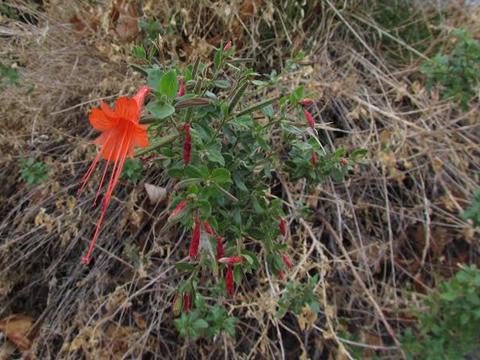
(156, 194)
(17, 329)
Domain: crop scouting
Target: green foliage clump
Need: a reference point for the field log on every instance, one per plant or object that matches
(297, 297)
(33, 172)
(473, 212)
(9, 74)
(405, 22)
(457, 72)
(132, 170)
(207, 320)
(449, 328)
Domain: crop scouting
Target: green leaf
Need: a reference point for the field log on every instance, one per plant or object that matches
(169, 84)
(193, 171)
(268, 111)
(222, 84)
(216, 156)
(153, 77)
(160, 110)
(139, 52)
(220, 175)
(257, 107)
(175, 173)
(184, 266)
(217, 61)
(237, 275)
(200, 324)
(187, 182)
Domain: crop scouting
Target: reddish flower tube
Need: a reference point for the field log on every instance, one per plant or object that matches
(179, 208)
(314, 157)
(195, 239)
(187, 148)
(344, 161)
(208, 228)
(309, 117)
(220, 249)
(186, 302)
(287, 261)
(282, 226)
(181, 92)
(229, 281)
(227, 46)
(231, 260)
(280, 274)
(306, 102)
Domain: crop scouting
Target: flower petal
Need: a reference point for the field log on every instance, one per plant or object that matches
(140, 136)
(100, 121)
(126, 108)
(108, 112)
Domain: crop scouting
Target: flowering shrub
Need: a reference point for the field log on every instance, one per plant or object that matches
(224, 144)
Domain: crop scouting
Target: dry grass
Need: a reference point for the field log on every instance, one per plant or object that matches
(379, 241)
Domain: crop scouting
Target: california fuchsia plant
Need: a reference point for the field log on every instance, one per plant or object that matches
(223, 140)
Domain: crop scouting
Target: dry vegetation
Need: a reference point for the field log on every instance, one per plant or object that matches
(379, 241)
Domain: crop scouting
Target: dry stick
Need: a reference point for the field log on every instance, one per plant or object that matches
(322, 272)
(332, 231)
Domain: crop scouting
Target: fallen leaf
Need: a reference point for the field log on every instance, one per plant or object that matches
(156, 194)
(17, 329)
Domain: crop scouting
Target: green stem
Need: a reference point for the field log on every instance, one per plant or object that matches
(157, 144)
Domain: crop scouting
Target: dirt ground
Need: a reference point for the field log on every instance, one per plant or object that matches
(380, 241)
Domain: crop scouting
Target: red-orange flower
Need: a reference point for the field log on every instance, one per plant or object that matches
(121, 132)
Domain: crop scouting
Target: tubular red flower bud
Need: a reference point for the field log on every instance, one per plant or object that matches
(227, 46)
(344, 161)
(195, 239)
(314, 157)
(283, 229)
(186, 302)
(280, 274)
(181, 92)
(287, 261)
(208, 228)
(231, 260)
(309, 117)
(179, 208)
(306, 102)
(187, 148)
(220, 249)
(229, 281)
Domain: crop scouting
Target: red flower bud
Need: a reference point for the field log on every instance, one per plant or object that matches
(282, 226)
(187, 147)
(227, 46)
(229, 281)
(231, 260)
(207, 227)
(220, 249)
(195, 239)
(287, 261)
(181, 92)
(314, 157)
(179, 208)
(280, 274)
(309, 117)
(344, 161)
(186, 302)
(306, 102)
